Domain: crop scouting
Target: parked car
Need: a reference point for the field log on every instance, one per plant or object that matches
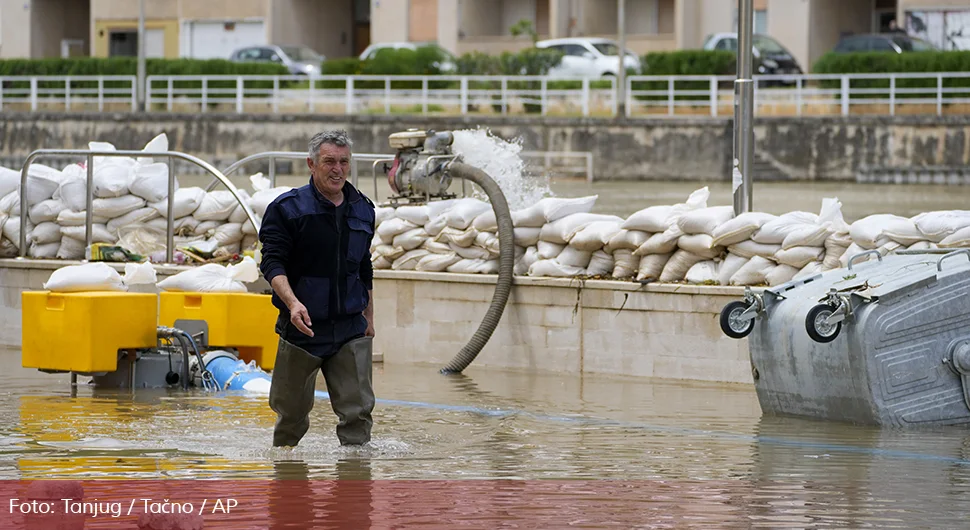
(770, 56)
(300, 60)
(589, 57)
(882, 42)
(448, 65)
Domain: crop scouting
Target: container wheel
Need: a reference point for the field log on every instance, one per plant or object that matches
(731, 324)
(817, 328)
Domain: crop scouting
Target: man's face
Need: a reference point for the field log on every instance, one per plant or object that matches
(330, 168)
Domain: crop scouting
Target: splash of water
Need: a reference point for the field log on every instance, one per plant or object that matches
(502, 161)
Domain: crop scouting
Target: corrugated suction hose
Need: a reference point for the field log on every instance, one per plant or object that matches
(506, 259)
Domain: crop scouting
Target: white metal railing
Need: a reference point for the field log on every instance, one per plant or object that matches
(816, 94)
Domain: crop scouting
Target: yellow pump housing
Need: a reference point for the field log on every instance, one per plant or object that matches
(244, 321)
(82, 332)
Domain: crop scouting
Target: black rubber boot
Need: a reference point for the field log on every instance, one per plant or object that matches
(291, 393)
(348, 375)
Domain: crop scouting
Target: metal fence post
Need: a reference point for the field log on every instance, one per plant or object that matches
(349, 96)
(463, 90)
(892, 94)
(239, 95)
(88, 208)
(33, 94)
(845, 95)
(585, 96)
(714, 102)
(939, 94)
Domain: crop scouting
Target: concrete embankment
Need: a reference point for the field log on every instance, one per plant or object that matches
(806, 148)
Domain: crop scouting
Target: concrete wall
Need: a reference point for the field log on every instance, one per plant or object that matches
(14, 29)
(549, 325)
(681, 149)
(387, 21)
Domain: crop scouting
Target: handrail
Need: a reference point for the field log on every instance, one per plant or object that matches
(89, 214)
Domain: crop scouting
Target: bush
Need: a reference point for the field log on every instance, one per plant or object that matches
(889, 62)
(684, 62)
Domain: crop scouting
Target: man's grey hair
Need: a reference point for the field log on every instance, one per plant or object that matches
(339, 137)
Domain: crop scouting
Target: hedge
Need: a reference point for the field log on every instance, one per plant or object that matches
(684, 62)
(889, 62)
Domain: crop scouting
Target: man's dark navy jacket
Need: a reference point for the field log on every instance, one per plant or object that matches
(327, 265)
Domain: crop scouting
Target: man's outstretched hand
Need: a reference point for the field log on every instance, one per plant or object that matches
(300, 318)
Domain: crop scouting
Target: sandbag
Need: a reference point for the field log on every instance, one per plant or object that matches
(490, 242)
(626, 240)
(409, 260)
(749, 249)
(381, 214)
(729, 267)
(486, 222)
(433, 246)
(461, 238)
(10, 204)
(676, 268)
(111, 178)
(574, 257)
(380, 262)
(651, 266)
(7, 248)
(853, 250)
(528, 218)
(525, 236)
(595, 235)
(923, 245)
(652, 219)
(470, 252)
(150, 182)
(807, 236)
(782, 274)
(9, 181)
(811, 269)
(181, 225)
(45, 211)
(565, 228)
(798, 257)
(116, 206)
(699, 244)
(216, 205)
(660, 243)
(392, 252)
(186, 201)
(261, 199)
(45, 233)
(228, 234)
(72, 218)
(139, 216)
(773, 232)
(95, 276)
(463, 212)
(393, 227)
(43, 250)
(436, 225)
(960, 238)
(417, 215)
(73, 193)
(554, 208)
(549, 250)
(11, 230)
(936, 226)
(474, 266)
(833, 255)
(411, 239)
(624, 264)
(703, 273)
(71, 248)
(42, 182)
(214, 278)
(600, 264)
(437, 262)
(523, 264)
(867, 232)
(158, 144)
(740, 228)
(554, 269)
(99, 233)
(705, 220)
(754, 272)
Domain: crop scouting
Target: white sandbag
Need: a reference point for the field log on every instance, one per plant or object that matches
(9, 180)
(42, 182)
(43, 250)
(72, 192)
(528, 217)
(8, 249)
(436, 225)
(393, 227)
(463, 212)
(139, 274)
(186, 201)
(391, 252)
(380, 263)
(923, 245)
(150, 182)
(45, 211)
(262, 199)
(651, 266)
(624, 264)
(854, 249)
(470, 252)
(437, 262)
(677, 266)
(490, 242)
(749, 249)
(11, 230)
(461, 238)
(227, 234)
(181, 225)
(111, 179)
(660, 243)
(214, 278)
(960, 238)
(798, 257)
(781, 274)
(10, 204)
(652, 219)
(936, 226)
(740, 228)
(95, 276)
(729, 267)
(626, 240)
(432, 246)
(72, 218)
(705, 220)
(699, 244)
(595, 235)
(554, 208)
(600, 264)
(754, 272)
(46, 233)
(549, 250)
(903, 231)
(411, 239)
(216, 205)
(71, 248)
(574, 257)
(703, 273)
(523, 263)
(773, 232)
(833, 256)
(525, 236)
(381, 214)
(409, 260)
(99, 233)
(437, 208)
(867, 232)
(554, 269)
(116, 206)
(562, 230)
(486, 222)
(888, 248)
(831, 217)
(139, 216)
(808, 235)
(413, 214)
(474, 266)
(811, 269)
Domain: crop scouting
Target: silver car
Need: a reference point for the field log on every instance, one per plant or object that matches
(299, 60)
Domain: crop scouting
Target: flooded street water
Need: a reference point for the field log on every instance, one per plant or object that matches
(700, 454)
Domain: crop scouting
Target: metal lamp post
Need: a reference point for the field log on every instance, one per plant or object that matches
(621, 73)
(140, 89)
(743, 112)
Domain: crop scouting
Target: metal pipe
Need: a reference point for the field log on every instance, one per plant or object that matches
(743, 112)
(272, 171)
(171, 155)
(88, 207)
(170, 230)
(141, 55)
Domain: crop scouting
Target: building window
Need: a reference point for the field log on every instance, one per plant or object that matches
(761, 21)
(123, 44)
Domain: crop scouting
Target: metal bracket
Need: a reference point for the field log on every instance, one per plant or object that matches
(199, 329)
(959, 360)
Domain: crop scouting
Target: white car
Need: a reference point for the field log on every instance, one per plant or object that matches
(589, 57)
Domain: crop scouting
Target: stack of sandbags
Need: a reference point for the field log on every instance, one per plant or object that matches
(660, 225)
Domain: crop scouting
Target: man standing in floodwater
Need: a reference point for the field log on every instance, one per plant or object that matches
(316, 254)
